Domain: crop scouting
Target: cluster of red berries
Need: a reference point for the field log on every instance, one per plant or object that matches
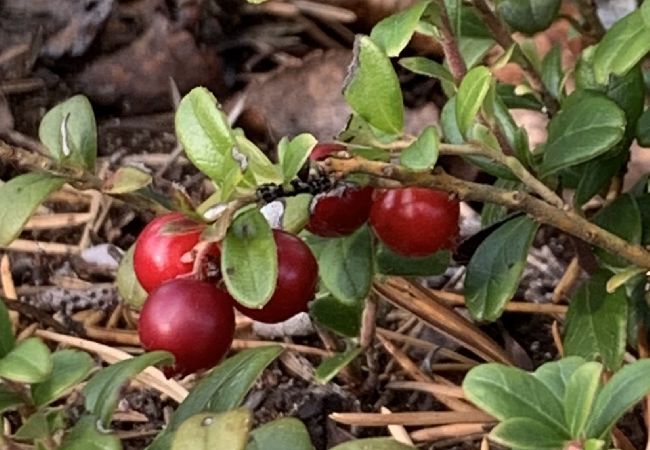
(195, 321)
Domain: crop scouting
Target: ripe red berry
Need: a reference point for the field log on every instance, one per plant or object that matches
(342, 210)
(296, 285)
(192, 319)
(415, 221)
(160, 247)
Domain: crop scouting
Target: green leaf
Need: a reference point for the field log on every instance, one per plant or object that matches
(29, 361)
(471, 93)
(254, 162)
(422, 154)
(372, 89)
(493, 213)
(35, 427)
(69, 368)
(128, 285)
(125, 180)
(621, 217)
(622, 47)
(222, 390)
(597, 174)
(596, 323)
(373, 444)
(643, 202)
(643, 129)
(552, 73)
(70, 134)
(393, 33)
(203, 130)
(85, 436)
(581, 392)
(513, 99)
(345, 266)
(390, 263)
(208, 431)
(330, 367)
(522, 433)
(427, 67)
(626, 388)
(621, 278)
(340, 317)
(287, 433)
(296, 213)
(103, 389)
(8, 399)
(248, 247)
(294, 153)
(628, 91)
(508, 393)
(588, 125)
(529, 16)
(473, 50)
(495, 269)
(19, 198)
(7, 339)
(556, 375)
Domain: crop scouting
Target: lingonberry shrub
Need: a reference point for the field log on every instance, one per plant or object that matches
(415, 221)
(575, 182)
(191, 319)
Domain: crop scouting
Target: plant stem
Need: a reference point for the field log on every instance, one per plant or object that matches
(567, 221)
(503, 37)
(449, 45)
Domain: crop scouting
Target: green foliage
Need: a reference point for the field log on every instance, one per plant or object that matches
(249, 246)
(29, 361)
(130, 289)
(70, 134)
(125, 180)
(20, 197)
(422, 154)
(69, 367)
(495, 269)
(528, 16)
(293, 153)
(394, 32)
(341, 317)
(85, 436)
(373, 444)
(390, 263)
(206, 431)
(281, 434)
(330, 367)
(471, 93)
(7, 339)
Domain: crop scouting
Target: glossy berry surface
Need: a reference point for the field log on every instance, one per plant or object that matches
(415, 221)
(340, 211)
(194, 320)
(160, 248)
(296, 285)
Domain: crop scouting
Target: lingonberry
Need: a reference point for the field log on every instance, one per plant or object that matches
(415, 221)
(296, 284)
(159, 250)
(341, 210)
(194, 320)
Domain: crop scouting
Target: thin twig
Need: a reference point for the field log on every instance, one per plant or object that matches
(449, 45)
(567, 221)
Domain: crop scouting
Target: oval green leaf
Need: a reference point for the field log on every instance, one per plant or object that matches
(132, 292)
(8, 399)
(622, 47)
(527, 434)
(70, 134)
(345, 266)
(581, 392)
(19, 198)
(471, 93)
(423, 153)
(204, 132)
(85, 436)
(30, 361)
(509, 392)
(596, 323)
(529, 16)
(494, 271)
(393, 33)
(69, 368)
(373, 444)
(427, 67)
(222, 390)
(342, 318)
(556, 374)
(287, 433)
(208, 431)
(125, 180)
(293, 153)
(390, 263)
(588, 125)
(249, 259)
(102, 391)
(330, 367)
(372, 89)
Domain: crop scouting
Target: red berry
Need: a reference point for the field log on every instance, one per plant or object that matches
(192, 319)
(340, 211)
(296, 285)
(415, 221)
(322, 151)
(160, 247)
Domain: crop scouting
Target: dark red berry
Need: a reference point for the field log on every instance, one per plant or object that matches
(194, 320)
(415, 221)
(340, 211)
(296, 285)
